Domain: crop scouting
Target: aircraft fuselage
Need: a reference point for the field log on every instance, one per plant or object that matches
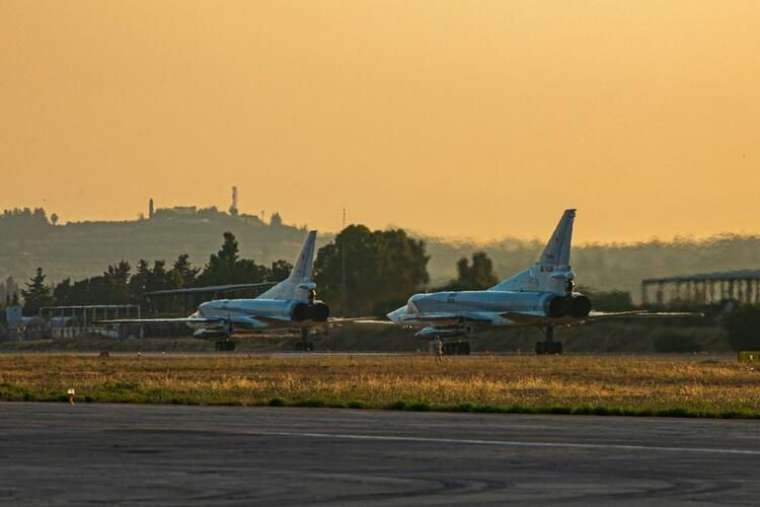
(488, 308)
(254, 314)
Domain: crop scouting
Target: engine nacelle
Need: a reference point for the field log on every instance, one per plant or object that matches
(300, 312)
(556, 307)
(577, 307)
(318, 312)
(580, 307)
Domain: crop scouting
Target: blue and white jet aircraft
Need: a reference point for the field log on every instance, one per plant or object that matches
(290, 304)
(542, 296)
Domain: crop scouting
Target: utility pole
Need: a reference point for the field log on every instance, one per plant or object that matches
(344, 286)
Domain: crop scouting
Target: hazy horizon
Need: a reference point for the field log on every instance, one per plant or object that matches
(478, 120)
(417, 233)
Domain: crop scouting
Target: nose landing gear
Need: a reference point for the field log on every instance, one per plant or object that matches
(226, 344)
(549, 346)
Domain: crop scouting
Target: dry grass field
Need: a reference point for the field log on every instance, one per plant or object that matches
(635, 385)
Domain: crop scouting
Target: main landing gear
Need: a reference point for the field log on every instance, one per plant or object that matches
(225, 345)
(549, 346)
(305, 344)
(456, 348)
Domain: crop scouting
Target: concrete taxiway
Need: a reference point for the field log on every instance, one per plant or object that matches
(57, 454)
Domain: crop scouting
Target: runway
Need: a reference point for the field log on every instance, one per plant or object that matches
(56, 454)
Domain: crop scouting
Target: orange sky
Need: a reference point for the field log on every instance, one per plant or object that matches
(460, 118)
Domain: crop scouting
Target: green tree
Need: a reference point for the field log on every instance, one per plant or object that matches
(280, 270)
(183, 273)
(160, 278)
(221, 266)
(140, 281)
(37, 294)
(609, 301)
(63, 293)
(477, 275)
(226, 266)
(116, 283)
(382, 268)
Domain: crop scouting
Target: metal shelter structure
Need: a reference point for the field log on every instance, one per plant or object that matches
(77, 320)
(702, 289)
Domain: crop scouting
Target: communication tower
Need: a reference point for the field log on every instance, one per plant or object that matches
(234, 207)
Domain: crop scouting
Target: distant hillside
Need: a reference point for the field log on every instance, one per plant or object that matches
(29, 239)
(83, 249)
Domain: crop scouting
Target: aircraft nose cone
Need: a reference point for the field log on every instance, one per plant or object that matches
(397, 315)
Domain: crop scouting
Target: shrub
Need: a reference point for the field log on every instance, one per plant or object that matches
(743, 327)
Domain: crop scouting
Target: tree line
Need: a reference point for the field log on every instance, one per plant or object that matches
(361, 272)
(31, 239)
(120, 284)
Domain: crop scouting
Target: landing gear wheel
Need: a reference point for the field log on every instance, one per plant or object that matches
(226, 345)
(549, 346)
(306, 345)
(458, 348)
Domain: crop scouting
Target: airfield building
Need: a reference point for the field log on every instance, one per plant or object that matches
(702, 289)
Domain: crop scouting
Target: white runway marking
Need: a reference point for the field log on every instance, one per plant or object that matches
(508, 443)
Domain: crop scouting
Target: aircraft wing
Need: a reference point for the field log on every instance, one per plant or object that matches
(273, 320)
(178, 320)
(595, 316)
(443, 318)
(359, 320)
(527, 319)
(211, 289)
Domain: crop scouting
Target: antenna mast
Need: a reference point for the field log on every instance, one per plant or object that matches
(344, 286)
(234, 207)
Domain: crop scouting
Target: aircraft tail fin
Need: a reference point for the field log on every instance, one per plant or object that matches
(297, 285)
(557, 250)
(302, 268)
(555, 259)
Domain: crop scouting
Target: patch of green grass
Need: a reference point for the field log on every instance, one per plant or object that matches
(580, 385)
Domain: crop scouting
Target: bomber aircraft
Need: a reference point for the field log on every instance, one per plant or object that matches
(542, 296)
(290, 304)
